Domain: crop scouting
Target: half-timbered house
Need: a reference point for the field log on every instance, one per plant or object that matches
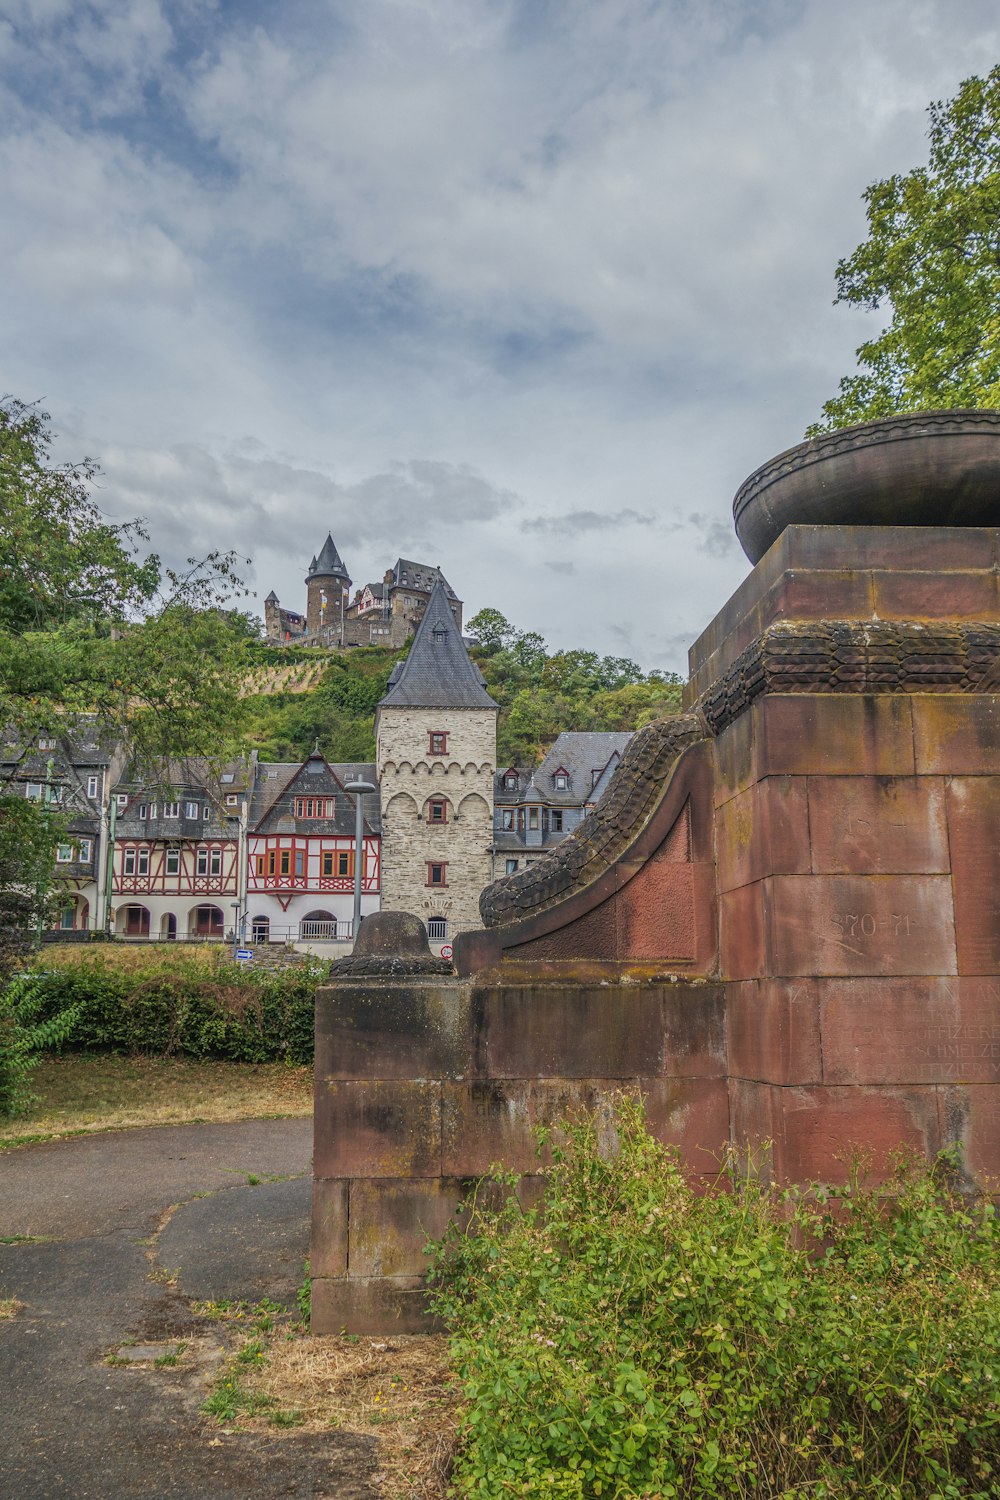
(178, 853)
(300, 881)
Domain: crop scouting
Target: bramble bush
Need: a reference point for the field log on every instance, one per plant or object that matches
(197, 1004)
(28, 1028)
(631, 1338)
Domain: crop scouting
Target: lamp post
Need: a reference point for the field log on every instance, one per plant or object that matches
(357, 790)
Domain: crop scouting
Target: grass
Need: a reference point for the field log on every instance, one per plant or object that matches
(9, 1307)
(397, 1389)
(85, 1092)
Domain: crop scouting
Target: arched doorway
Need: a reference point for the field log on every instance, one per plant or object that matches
(168, 927)
(318, 926)
(132, 921)
(260, 930)
(207, 922)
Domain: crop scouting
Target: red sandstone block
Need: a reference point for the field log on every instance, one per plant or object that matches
(762, 831)
(861, 924)
(328, 1248)
(558, 1031)
(877, 825)
(974, 826)
(753, 1126)
(820, 1130)
(929, 549)
(957, 735)
(773, 1030)
(693, 1115)
(970, 1119)
(743, 917)
(412, 1029)
(915, 1030)
(377, 1129)
(392, 1221)
(833, 734)
(819, 594)
(495, 1123)
(936, 596)
(694, 1030)
(381, 1305)
(735, 756)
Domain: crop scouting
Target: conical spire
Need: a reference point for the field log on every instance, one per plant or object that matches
(438, 672)
(328, 564)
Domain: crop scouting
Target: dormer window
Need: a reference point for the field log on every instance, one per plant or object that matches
(440, 633)
(561, 780)
(510, 781)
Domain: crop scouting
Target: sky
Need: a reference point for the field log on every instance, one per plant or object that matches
(521, 288)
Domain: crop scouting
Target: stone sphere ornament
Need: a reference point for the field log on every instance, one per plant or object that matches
(924, 468)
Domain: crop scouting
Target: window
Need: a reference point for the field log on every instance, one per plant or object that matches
(85, 851)
(34, 792)
(511, 866)
(190, 809)
(171, 809)
(438, 742)
(92, 786)
(520, 820)
(507, 818)
(561, 781)
(173, 864)
(215, 862)
(286, 861)
(143, 811)
(270, 862)
(121, 801)
(66, 918)
(152, 809)
(201, 864)
(510, 781)
(437, 811)
(437, 929)
(345, 862)
(206, 811)
(128, 862)
(260, 864)
(314, 807)
(64, 854)
(142, 862)
(46, 744)
(437, 874)
(232, 800)
(556, 820)
(260, 930)
(533, 817)
(300, 863)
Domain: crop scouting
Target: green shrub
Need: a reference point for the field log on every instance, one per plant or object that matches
(28, 1028)
(629, 1338)
(178, 1003)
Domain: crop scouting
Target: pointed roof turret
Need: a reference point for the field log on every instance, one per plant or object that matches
(272, 598)
(438, 672)
(328, 564)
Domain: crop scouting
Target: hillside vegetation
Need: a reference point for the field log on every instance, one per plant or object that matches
(295, 697)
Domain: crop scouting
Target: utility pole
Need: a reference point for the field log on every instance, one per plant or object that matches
(357, 790)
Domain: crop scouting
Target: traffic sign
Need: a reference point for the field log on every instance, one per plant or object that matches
(245, 954)
(446, 950)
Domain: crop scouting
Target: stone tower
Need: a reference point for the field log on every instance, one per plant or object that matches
(327, 583)
(435, 735)
(272, 617)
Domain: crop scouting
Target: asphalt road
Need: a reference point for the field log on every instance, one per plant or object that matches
(95, 1228)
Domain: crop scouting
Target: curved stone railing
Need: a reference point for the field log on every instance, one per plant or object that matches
(791, 656)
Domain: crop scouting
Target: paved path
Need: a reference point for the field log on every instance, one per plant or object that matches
(96, 1218)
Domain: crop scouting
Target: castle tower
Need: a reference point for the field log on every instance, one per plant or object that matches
(272, 617)
(435, 734)
(327, 583)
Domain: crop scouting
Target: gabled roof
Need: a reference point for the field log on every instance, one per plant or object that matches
(438, 672)
(420, 576)
(328, 564)
(278, 783)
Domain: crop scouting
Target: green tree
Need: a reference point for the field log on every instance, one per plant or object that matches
(932, 258)
(492, 630)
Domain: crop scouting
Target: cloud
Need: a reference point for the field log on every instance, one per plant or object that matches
(714, 536)
(578, 521)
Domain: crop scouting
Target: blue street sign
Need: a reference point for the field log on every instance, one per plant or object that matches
(244, 953)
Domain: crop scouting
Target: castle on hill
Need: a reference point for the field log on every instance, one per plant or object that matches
(380, 614)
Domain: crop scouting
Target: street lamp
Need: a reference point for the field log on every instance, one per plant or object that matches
(357, 790)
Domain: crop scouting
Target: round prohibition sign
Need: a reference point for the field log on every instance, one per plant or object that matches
(446, 950)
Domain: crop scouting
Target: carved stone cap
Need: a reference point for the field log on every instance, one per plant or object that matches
(924, 468)
(389, 943)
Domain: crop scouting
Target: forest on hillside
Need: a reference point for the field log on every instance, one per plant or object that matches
(333, 698)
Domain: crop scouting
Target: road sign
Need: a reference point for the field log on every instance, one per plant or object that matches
(446, 950)
(246, 954)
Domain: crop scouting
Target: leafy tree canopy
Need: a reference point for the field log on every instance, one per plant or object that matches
(932, 257)
(89, 625)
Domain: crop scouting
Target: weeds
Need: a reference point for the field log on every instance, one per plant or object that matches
(628, 1338)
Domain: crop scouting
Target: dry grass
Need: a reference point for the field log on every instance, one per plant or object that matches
(9, 1307)
(82, 1093)
(399, 1388)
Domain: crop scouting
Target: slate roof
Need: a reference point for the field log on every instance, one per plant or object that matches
(328, 564)
(577, 752)
(421, 576)
(273, 794)
(438, 672)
